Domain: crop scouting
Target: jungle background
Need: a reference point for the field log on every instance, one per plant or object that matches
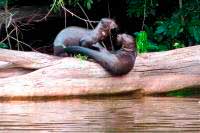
(156, 24)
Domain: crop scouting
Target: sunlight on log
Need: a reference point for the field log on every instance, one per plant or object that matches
(44, 75)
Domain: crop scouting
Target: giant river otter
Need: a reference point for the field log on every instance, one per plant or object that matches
(117, 63)
(81, 36)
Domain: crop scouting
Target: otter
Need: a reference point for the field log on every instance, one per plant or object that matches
(81, 36)
(116, 63)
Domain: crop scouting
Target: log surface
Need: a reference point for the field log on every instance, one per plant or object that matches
(38, 75)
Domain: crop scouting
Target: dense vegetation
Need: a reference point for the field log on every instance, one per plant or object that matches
(179, 26)
(164, 25)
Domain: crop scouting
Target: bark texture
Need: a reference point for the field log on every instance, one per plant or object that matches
(32, 74)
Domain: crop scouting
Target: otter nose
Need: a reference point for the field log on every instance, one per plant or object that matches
(114, 25)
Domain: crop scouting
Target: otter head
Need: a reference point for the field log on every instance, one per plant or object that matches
(127, 42)
(107, 25)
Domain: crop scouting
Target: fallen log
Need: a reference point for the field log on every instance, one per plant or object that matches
(48, 76)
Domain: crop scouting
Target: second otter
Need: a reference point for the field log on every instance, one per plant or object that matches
(119, 63)
(82, 36)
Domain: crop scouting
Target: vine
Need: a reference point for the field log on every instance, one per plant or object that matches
(7, 17)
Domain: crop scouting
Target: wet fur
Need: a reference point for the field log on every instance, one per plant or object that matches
(118, 63)
(73, 35)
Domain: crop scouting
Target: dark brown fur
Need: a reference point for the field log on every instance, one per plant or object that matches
(73, 35)
(118, 63)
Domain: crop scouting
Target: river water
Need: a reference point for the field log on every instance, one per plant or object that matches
(104, 115)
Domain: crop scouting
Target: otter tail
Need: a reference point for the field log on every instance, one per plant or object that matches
(98, 56)
(102, 58)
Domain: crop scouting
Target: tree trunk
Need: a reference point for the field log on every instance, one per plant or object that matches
(39, 75)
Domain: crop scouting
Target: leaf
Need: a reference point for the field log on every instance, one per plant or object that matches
(195, 32)
(152, 47)
(141, 41)
(81, 57)
(3, 45)
(161, 29)
(195, 22)
(178, 45)
(163, 48)
(88, 4)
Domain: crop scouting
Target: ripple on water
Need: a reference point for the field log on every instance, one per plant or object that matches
(119, 114)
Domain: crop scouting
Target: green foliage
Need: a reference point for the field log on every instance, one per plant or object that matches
(184, 92)
(81, 57)
(141, 41)
(171, 28)
(3, 45)
(57, 3)
(178, 45)
(137, 7)
(194, 29)
(182, 27)
(4, 2)
(88, 3)
(144, 44)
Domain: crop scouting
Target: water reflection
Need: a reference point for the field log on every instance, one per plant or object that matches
(119, 114)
